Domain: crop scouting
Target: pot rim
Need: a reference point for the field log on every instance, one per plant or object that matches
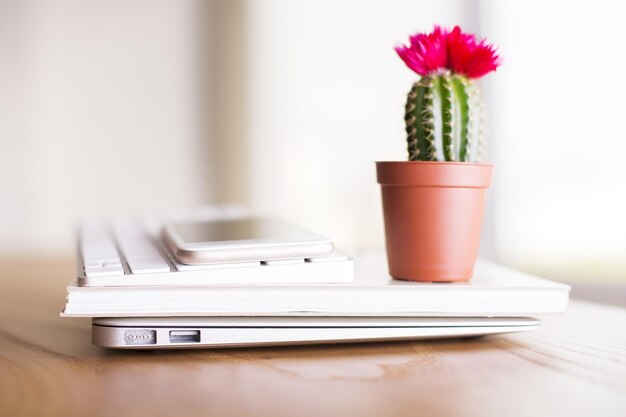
(434, 174)
(433, 163)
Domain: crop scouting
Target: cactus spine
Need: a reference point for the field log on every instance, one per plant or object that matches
(441, 114)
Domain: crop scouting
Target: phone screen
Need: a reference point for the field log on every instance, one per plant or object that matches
(240, 229)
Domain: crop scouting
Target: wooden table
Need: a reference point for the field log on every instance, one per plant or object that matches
(575, 365)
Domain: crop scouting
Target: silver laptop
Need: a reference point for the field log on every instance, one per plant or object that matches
(221, 332)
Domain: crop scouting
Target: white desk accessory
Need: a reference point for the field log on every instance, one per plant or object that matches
(128, 253)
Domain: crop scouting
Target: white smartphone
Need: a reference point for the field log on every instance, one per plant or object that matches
(242, 240)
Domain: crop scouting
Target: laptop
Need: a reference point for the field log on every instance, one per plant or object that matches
(224, 332)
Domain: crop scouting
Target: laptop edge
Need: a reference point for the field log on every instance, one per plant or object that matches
(224, 332)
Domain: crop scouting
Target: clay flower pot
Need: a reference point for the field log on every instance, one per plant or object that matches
(433, 216)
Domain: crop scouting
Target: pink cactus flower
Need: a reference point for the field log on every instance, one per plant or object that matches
(453, 50)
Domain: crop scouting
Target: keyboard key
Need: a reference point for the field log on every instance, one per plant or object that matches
(142, 255)
(92, 271)
(147, 265)
(103, 263)
(98, 251)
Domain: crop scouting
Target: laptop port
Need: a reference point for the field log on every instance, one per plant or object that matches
(184, 336)
(139, 337)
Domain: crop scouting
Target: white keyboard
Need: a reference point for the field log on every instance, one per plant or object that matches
(124, 253)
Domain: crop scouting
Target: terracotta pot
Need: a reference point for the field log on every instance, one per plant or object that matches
(433, 216)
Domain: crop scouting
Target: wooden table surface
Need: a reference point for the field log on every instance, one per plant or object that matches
(575, 365)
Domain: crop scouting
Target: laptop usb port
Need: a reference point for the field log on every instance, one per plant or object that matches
(184, 336)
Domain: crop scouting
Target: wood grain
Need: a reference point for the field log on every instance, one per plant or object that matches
(575, 365)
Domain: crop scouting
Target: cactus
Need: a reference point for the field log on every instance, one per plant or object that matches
(443, 111)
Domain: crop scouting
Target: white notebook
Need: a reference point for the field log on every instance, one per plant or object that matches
(493, 291)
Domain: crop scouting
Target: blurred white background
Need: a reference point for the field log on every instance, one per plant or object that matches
(100, 112)
(122, 106)
(556, 110)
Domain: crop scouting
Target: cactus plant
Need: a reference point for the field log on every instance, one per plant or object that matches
(443, 110)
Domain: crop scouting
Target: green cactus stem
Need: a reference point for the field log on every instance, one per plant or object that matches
(441, 113)
(419, 122)
(460, 86)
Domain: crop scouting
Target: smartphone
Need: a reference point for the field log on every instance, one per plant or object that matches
(246, 239)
